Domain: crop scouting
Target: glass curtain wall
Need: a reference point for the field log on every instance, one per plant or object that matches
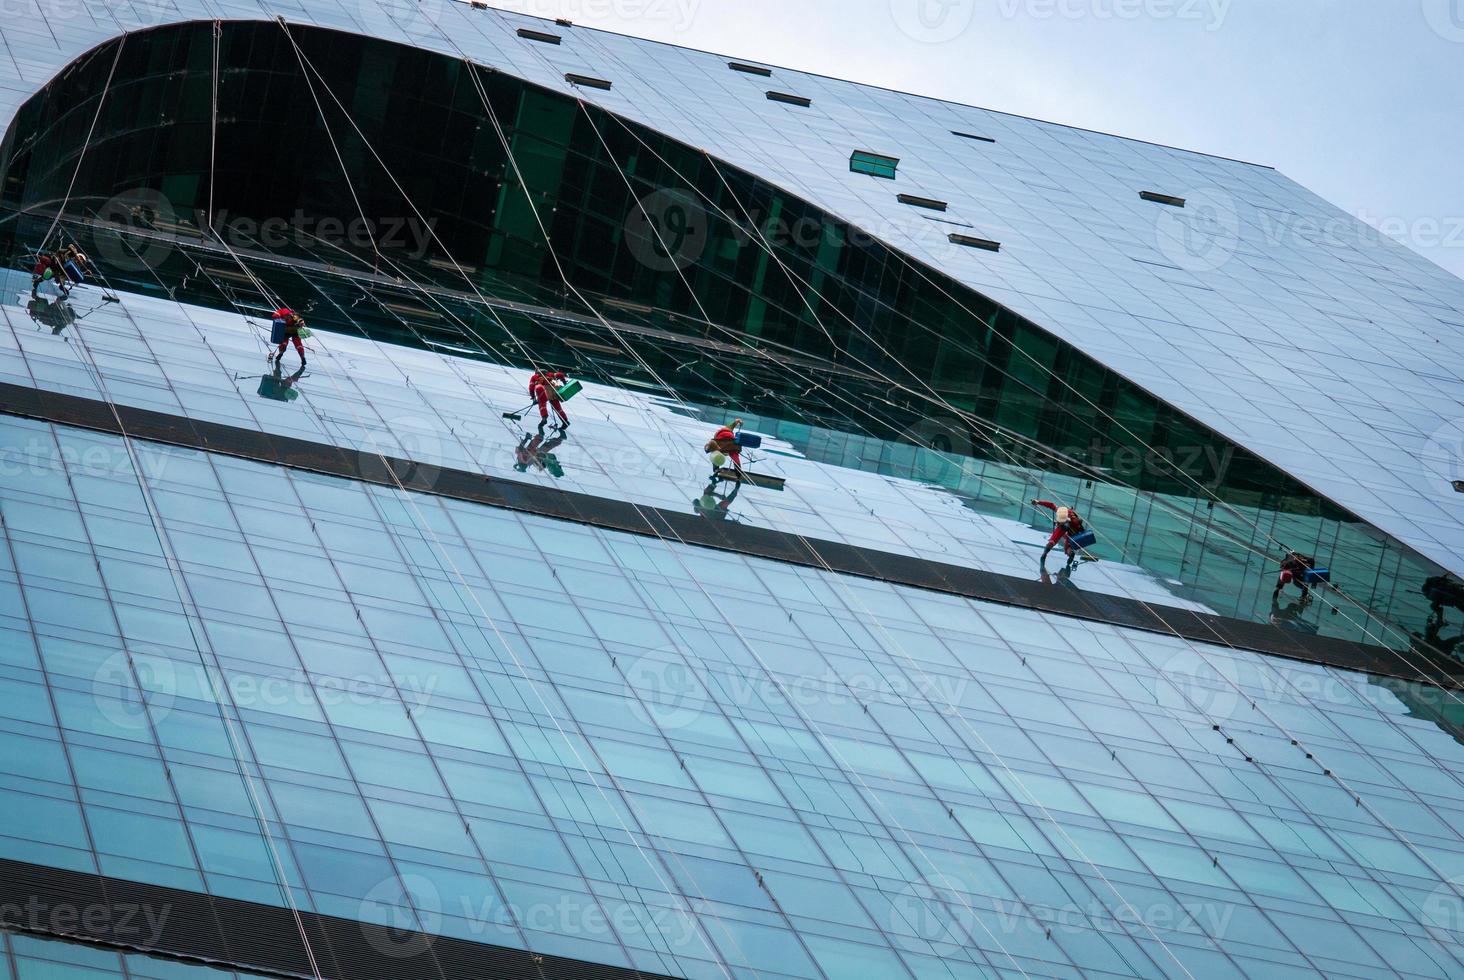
(890, 351)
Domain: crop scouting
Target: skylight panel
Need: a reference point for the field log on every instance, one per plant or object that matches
(874, 164)
(971, 241)
(587, 81)
(784, 97)
(1157, 198)
(928, 203)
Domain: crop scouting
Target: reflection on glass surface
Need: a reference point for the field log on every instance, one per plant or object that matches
(788, 310)
(438, 409)
(513, 726)
(224, 676)
(1342, 319)
(715, 500)
(278, 386)
(536, 451)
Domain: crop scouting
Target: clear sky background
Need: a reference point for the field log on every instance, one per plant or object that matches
(1362, 101)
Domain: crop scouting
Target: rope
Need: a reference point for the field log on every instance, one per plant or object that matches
(191, 614)
(1290, 735)
(580, 296)
(976, 421)
(76, 172)
(833, 751)
(213, 128)
(608, 325)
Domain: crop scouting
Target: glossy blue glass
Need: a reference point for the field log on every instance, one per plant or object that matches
(529, 733)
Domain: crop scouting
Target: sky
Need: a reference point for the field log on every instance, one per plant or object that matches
(1360, 101)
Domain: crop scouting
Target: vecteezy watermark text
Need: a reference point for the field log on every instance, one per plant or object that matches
(678, 13)
(409, 236)
(937, 21)
(1210, 14)
(670, 693)
(151, 228)
(414, 907)
(137, 922)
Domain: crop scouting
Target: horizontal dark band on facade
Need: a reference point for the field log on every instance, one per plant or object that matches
(744, 539)
(226, 932)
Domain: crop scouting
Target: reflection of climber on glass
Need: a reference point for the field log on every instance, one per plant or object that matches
(1289, 616)
(1431, 641)
(1064, 576)
(533, 450)
(713, 505)
(280, 387)
(56, 315)
(56, 311)
(1443, 591)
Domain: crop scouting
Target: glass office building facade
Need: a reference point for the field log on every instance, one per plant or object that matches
(358, 671)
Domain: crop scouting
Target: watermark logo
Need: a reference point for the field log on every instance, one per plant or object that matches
(938, 437)
(1202, 235)
(937, 909)
(133, 703)
(414, 18)
(943, 433)
(943, 911)
(933, 21)
(416, 463)
(407, 237)
(678, 13)
(407, 912)
(676, 695)
(667, 230)
(1444, 906)
(140, 210)
(1362, 231)
(402, 918)
(1443, 452)
(663, 690)
(132, 923)
(136, 15)
(1446, 17)
(1210, 14)
(1189, 682)
(135, 690)
(1205, 464)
